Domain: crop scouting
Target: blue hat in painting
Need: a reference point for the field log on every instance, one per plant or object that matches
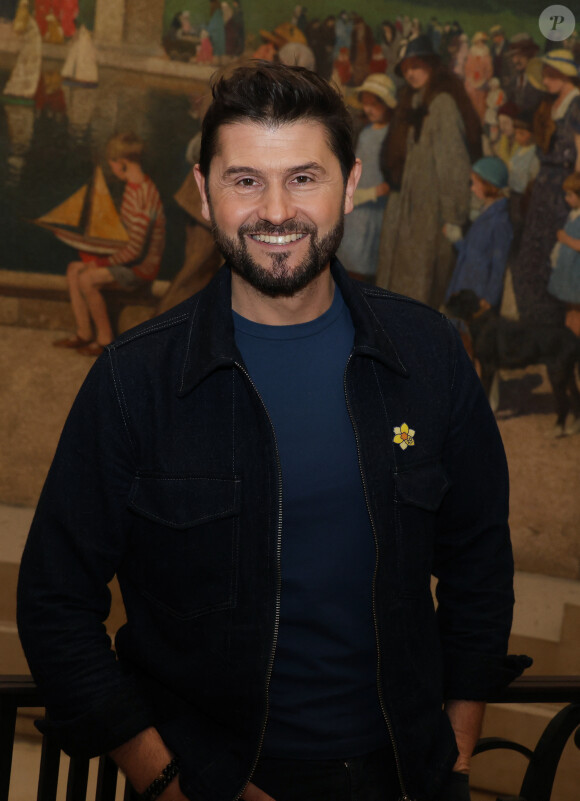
(492, 170)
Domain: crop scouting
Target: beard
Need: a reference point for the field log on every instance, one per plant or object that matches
(279, 280)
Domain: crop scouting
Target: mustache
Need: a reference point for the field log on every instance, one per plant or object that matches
(270, 229)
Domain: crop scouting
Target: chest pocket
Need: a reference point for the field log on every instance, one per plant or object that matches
(423, 486)
(186, 541)
(419, 493)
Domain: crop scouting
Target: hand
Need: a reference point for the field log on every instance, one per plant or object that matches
(456, 788)
(452, 232)
(484, 305)
(562, 236)
(383, 189)
(253, 793)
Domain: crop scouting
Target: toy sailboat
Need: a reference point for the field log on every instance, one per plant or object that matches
(88, 219)
(80, 65)
(23, 81)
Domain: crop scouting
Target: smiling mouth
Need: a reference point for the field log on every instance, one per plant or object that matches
(277, 240)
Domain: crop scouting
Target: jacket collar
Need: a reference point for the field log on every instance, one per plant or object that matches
(210, 342)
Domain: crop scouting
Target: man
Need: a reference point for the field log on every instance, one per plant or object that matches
(273, 470)
(503, 67)
(519, 89)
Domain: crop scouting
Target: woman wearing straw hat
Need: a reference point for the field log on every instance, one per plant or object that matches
(359, 249)
(557, 130)
(433, 137)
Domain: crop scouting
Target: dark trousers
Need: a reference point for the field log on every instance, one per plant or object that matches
(372, 777)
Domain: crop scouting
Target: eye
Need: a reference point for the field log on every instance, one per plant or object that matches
(302, 179)
(247, 182)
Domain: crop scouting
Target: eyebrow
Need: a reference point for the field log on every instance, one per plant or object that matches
(312, 166)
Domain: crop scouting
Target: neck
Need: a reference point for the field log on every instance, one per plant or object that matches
(134, 174)
(306, 305)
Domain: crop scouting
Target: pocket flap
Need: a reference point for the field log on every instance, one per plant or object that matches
(423, 485)
(184, 501)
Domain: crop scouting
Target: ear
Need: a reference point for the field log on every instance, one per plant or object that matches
(351, 185)
(200, 180)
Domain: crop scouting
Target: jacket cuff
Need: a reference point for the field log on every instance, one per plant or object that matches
(475, 676)
(102, 728)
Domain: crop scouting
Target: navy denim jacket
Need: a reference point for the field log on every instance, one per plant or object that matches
(167, 475)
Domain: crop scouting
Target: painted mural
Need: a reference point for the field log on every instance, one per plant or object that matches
(76, 73)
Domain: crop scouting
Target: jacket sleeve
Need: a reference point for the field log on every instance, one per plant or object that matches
(473, 557)
(76, 543)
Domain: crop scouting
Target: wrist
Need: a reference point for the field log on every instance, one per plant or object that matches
(156, 789)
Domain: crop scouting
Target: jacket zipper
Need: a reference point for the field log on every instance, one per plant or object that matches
(404, 796)
(278, 584)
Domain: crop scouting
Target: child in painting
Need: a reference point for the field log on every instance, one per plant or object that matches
(482, 254)
(523, 167)
(564, 282)
(130, 267)
(342, 70)
(524, 164)
(204, 54)
(359, 249)
(506, 145)
(495, 100)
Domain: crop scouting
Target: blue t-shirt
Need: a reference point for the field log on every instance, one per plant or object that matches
(323, 693)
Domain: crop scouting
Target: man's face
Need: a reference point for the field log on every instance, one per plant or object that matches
(276, 199)
(519, 60)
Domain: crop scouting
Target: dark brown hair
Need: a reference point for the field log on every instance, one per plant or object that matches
(276, 94)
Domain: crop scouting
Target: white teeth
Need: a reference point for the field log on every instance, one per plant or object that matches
(277, 240)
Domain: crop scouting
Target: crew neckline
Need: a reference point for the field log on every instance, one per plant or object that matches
(295, 330)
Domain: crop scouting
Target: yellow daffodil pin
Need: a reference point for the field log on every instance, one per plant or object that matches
(404, 436)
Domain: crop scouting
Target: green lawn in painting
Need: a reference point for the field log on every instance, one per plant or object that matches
(474, 15)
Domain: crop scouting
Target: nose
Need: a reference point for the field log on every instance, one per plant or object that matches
(277, 204)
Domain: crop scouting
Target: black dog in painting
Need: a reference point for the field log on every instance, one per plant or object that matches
(500, 343)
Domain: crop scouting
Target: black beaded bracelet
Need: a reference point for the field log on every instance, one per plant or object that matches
(159, 784)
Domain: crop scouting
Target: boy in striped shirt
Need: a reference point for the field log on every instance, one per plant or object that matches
(131, 266)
